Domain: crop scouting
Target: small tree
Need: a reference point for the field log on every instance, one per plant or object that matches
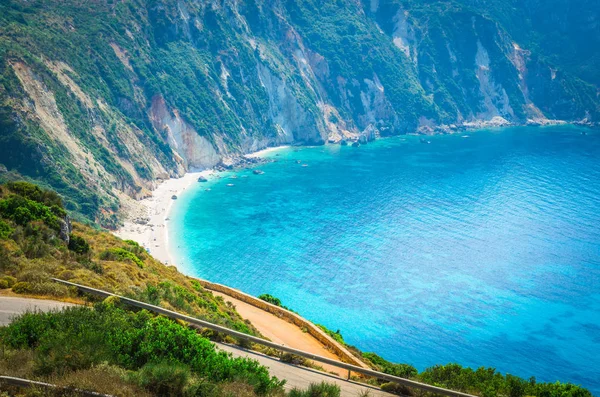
(78, 245)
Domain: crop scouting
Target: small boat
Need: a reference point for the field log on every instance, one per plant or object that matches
(233, 177)
(305, 165)
(466, 136)
(174, 197)
(207, 190)
(230, 185)
(258, 172)
(298, 161)
(425, 141)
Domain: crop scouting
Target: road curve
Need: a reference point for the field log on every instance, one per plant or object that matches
(10, 307)
(299, 377)
(280, 331)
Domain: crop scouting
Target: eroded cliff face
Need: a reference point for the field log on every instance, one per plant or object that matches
(101, 100)
(192, 151)
(473, 59)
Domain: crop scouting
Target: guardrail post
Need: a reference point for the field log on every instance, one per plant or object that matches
(348, 375)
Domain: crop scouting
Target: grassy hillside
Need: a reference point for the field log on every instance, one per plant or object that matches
(33, 249)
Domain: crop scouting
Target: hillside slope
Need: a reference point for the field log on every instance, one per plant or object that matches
(98, 99)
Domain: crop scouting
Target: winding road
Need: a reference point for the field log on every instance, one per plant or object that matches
(298, 377)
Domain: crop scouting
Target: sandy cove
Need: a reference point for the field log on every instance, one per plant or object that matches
(154, 234)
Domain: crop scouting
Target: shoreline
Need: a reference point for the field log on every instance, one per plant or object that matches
(148, 225)
(263, 152)
(153, 233)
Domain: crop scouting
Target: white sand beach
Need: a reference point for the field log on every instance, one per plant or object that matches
(154, 234)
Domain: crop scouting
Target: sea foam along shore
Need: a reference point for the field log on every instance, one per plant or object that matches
(154, 234)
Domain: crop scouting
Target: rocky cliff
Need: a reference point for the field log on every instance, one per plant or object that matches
(100, 99)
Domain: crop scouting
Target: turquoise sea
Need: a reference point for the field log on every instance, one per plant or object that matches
(481, 248)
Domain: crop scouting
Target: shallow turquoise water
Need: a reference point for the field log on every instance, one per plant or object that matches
(482, 250)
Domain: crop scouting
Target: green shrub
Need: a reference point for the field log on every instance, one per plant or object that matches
(9, 280)
(120, 254)
(79, 338)
(164, 378)
(400, 370)
(489, 382)
(22, 211)
(197, 286)
(317, 390)
(49, 288)
(271, 299)
(22, 287)
(337, 335)
(5, 230)
(4, 284)
(59, 352)
(35, 193)
(78, 245)
(396, 388)
(93, 266)
(292, 359)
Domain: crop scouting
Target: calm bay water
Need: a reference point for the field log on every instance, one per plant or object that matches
(482, 250)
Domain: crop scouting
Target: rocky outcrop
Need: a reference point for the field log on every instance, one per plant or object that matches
(65, 229)
(194, 152)
(292, 121)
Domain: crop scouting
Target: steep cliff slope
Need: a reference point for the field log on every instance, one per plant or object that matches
(99, 99)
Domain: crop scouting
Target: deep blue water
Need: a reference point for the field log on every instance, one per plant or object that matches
(482, 250)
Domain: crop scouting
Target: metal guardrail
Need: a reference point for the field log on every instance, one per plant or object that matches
(20, 382)
(260, 341)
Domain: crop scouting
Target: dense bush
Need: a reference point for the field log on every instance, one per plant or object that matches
(400, 370)
(5, 230)
(164, 378)
(489, 382)
(22, 211)
(396, 388)
(80, 338)
(78, 245)
(22, 287)
(336, 335)
(270, 299)
(9, 280)
(120, 254)
(317, 390)
(35, 193)
(274, 301)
